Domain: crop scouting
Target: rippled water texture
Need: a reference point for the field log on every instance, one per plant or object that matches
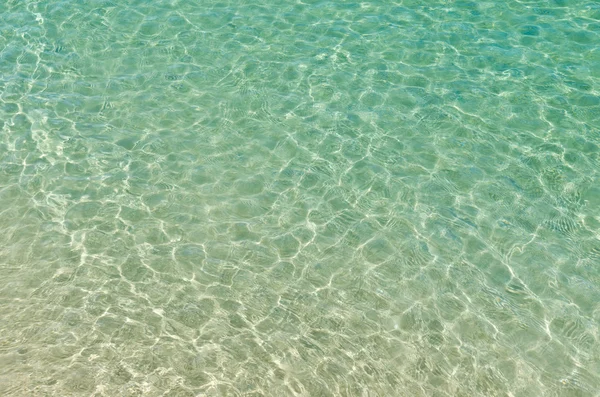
(315, 198)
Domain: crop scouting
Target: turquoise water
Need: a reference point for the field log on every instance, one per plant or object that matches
(312, 198)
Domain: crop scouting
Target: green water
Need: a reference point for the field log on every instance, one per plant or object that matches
(311, 198)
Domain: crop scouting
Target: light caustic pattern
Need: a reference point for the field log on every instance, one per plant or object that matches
(311, 198)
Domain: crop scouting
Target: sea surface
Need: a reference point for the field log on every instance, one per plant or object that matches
(299, 198)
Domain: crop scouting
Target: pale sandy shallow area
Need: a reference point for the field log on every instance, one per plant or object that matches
(299, 198)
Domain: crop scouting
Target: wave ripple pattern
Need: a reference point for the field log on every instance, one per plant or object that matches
(299, 198)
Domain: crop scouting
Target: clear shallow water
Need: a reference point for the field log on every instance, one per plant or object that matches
(302, 198)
